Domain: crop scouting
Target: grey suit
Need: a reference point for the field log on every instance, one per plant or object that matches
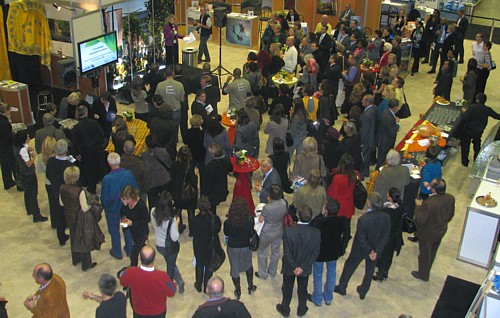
(272, 178)
(44, 132)
(392, 176)
(247, 138)
(372, 234)
(387, 132)
(272, 232)
(367, 137)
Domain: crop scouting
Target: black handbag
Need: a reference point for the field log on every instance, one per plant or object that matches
(217, 253)
(408, 224)
(360, 195)
(188, 191)
(254, 238)
(404, 111)
(171, 247)
(289, 138)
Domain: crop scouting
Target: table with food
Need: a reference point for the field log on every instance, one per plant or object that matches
(284, 77)
(137, 128)
(243, 166)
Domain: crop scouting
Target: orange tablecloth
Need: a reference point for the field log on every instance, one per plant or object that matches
(231, 123)
(139, 129)
(415, 147)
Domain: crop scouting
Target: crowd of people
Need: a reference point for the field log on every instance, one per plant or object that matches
(171, 176)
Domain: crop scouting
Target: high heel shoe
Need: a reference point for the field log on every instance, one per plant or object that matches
(252, 289)
(380, 276)
(237, 294)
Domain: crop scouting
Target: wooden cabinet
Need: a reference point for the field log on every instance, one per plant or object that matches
(17, 96)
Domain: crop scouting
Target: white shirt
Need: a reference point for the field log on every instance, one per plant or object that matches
(290, 59)
(477, 51)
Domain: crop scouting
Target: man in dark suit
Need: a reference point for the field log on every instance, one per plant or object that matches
(388, 127)
(301, 245)
(462, 25)
(431, 218)
(445, 81)
(367, 133)
(104, 111)
(320, 56)
(212, 92)
(475, 120)
(372, 234)
(324, 41)
(196, 86)
(270, 176)
(165, 129)
(347, 13)
(343, 36)
(333, 74)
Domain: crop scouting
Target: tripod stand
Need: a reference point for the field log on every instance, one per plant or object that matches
(220, 68)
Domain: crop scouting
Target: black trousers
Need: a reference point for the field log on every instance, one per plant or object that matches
(202, 275)
(436, 54)
(427, 251)
(90, 169)
(465, 145)
(8, 166)
(459, 48)
(384, 261)
(346, 236)
(417, 52)
(482, 77)
(30, 184)
(350, 266)
(172, 53)
(78, 257)
(427, 49)
(138, 243)
(52, 205)
(287, 290)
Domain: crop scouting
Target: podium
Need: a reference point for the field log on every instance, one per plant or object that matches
(17, 96)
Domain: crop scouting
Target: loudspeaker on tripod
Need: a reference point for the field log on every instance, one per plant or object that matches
(220, 17)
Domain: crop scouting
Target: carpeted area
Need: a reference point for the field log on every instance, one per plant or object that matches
(455, 299)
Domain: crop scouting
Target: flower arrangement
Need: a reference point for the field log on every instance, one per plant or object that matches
(461, 103)
(240, 156)
(232, 113)
(367, 63)
(128, 115)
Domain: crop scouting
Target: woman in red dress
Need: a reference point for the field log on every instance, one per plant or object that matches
(342, 190)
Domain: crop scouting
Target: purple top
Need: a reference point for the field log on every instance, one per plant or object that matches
(171, 34)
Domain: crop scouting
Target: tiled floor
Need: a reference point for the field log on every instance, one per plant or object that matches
(24, 244)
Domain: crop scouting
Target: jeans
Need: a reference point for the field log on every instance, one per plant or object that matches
(327, 292)
(170, 260)
(113, 220)
(203, 48)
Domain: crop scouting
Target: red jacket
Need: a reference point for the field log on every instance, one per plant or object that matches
(343, 191)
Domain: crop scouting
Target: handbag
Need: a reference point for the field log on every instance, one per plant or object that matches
(360, 195)
(188, 191)
(254, 241)
(408, 224)
(217, 253)
(171, 247)
(289, 138)
(404, 110)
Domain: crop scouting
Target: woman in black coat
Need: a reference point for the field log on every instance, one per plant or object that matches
(216, 171)
(247, 137)
(199, 104)
(281, 161)
(351, 143)
(206, 228)
(7, 159)
(331, 150)
(136, 216)
(193, 138)
(183, 169)
(469, 81)
(394, 207)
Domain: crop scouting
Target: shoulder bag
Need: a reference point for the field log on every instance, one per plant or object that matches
(217, 253)
(254, 239)
(188, 191)
(360, 195)
(408, 224)
(171, 247)
(404, 110)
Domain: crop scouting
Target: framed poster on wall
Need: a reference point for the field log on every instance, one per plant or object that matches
(239, 31)
(328, 7)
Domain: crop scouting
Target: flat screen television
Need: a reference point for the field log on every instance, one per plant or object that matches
(97, 52)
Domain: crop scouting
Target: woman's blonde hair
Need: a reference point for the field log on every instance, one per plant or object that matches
(389, 92)
(309, 147)
(356, 94)
(275, 49)
(314, 178)
(196, 120)
(129, 192)
(71, 175)
(74, 97)
(48, 149)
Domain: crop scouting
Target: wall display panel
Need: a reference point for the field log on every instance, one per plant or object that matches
(86, 26)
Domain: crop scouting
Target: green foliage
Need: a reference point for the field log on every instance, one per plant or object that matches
(158, 10)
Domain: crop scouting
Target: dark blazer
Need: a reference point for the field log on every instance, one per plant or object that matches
(87, 136)
(462, 28)
(387, 130)
(327, 109)
(6, 136)
(432, 217)
(47, 131)
(272, 178)
(104, 120)
(166, 131)
(368, 126)
(216, 175)
(332, 74)
(301, 246)
(352, 146)
(222, 307)
(321, 58)
(198, 108)
(281, 161)
(475, 118)
(326, 44)
(213, 97)
(372, 233)
(202, 236)
(193, 138)
(443, 87)
(331, 152)
(196, 86)
(332, 229)
(178, 172)
(247, 138)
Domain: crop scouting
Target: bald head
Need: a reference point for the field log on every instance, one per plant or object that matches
(324, 19)
(289, 41)
(147, 256)
(42, 273)
(215, 288)
(129, 147)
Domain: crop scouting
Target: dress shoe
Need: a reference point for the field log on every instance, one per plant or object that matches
(413, 239)
(339, 290)
(361, 295)
(94, 264)
(380, 276)
(182, 227)
(465, 164)
(40, 218)
(431, 72)
(302, 314)
(257, 274)
(237, 294)
(181, 287)
(9, 185)
(412, 73)
(461, 62)
(64, 240)
(279, 308)
(115, 256)
(197, 287)
(417, 276)
(251, 289)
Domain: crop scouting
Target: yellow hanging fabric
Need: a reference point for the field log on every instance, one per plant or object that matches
(4, 59)
(28, 29)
